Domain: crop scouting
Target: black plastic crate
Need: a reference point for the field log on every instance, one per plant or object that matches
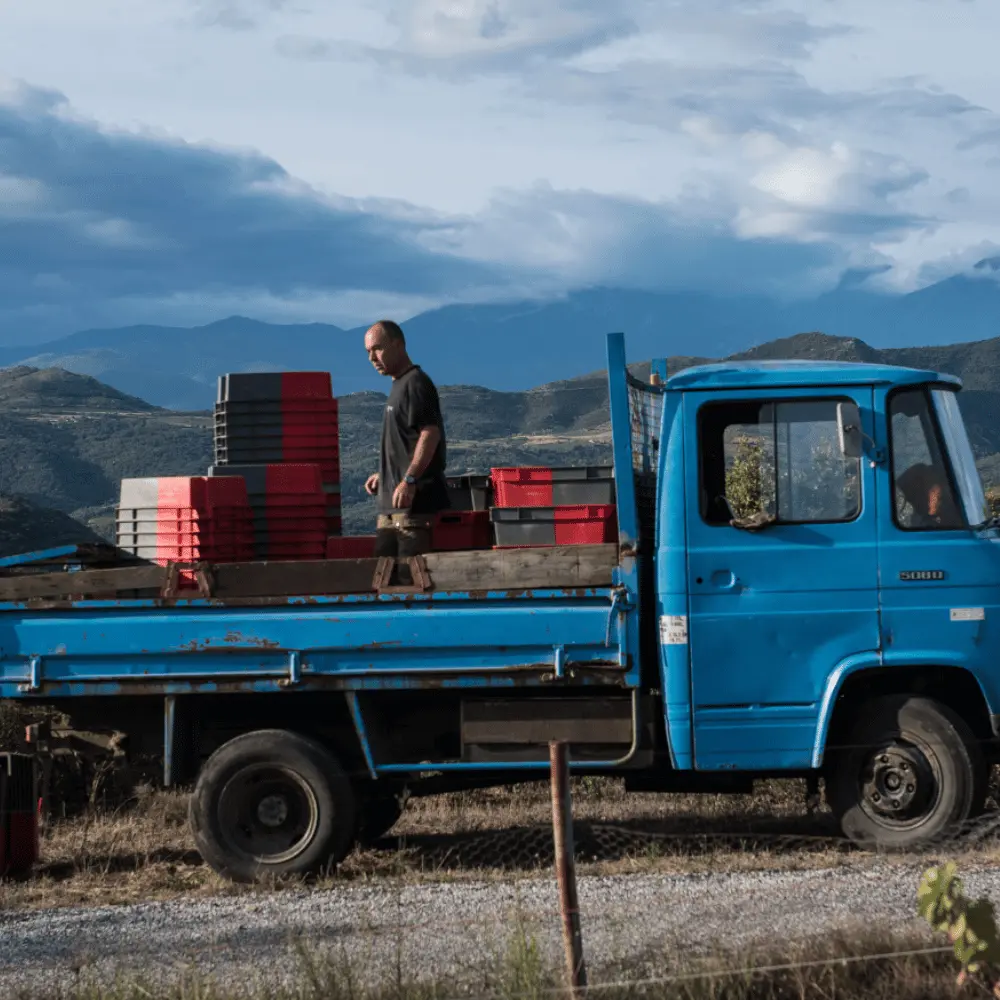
(471, 492)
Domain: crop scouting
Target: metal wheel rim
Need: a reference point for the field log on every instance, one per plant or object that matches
(909, 760)
(268, 813)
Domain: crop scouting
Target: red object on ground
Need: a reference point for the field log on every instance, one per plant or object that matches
(19, 808)
(462, 529)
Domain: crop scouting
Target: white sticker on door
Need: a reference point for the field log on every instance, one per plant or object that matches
(673, 630)
(968, 614)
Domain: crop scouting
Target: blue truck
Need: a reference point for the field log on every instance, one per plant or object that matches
(802, 585)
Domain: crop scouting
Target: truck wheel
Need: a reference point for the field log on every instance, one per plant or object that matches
(272, 802)
(377, 815)
(911, 772)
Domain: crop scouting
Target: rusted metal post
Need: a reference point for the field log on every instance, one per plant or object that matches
(562, 833)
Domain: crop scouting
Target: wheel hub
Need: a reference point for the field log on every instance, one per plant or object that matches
(272, 810)
(268, 813)
(898, 783)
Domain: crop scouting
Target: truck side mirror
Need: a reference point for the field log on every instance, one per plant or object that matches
(849, 430)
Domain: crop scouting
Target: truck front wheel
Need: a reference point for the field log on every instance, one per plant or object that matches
(910, 772)
(272, 802)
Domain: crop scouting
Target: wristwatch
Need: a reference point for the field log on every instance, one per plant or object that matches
(410, 480)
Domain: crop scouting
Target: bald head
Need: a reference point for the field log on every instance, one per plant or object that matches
(386, 347)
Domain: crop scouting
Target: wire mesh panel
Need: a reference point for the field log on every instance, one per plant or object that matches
(645, 415)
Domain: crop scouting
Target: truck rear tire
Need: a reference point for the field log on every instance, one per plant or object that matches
(272, 802)
(911, 772)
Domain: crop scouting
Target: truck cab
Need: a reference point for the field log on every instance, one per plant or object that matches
(826, 574)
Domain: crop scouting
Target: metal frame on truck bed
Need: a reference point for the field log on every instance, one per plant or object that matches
(706, 648)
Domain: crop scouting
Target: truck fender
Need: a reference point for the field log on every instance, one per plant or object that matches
(874, 659)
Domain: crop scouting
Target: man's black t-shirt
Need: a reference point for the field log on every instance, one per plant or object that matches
(412, 405)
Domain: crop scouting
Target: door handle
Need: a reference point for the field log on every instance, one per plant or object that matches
(724, 579)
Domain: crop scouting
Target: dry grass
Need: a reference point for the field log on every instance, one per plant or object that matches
(874, 967)
(144, 851)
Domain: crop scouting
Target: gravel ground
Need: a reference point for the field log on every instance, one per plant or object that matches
(433, 930)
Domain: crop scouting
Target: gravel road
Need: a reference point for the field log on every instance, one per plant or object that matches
(436, 929)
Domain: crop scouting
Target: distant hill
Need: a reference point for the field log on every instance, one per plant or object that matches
(521, 344)
(68, 442)
(25, 527)
(23, 387)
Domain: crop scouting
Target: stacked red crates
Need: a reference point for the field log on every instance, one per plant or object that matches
(290, 517)
(540, 506)
(185, 519)
(282, 418)
(466, 525)
(18, 813)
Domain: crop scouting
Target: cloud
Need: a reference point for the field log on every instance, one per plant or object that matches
(463, 38)
(91, 216)
(578, 239)
(237, 15)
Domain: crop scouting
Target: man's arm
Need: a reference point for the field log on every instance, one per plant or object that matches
(424, 451)
(428, 440)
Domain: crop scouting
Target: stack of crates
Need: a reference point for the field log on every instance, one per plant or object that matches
(281, 418)
(18, 813)
(290, 508)
(537, 506)
(466, 525)
(185, 519)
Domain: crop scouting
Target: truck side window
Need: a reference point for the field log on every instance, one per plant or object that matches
(925, 497)
(780, 458)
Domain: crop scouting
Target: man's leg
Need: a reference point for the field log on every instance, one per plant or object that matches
(414, 535)
(386, 538)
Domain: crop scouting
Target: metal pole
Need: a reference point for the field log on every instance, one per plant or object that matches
(562, 834)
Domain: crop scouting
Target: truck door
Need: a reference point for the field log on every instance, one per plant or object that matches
(938, 567)
(782, 566)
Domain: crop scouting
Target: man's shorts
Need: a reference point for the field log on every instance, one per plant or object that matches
(403, 535)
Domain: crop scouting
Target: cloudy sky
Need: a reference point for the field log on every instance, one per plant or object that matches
(182, 160)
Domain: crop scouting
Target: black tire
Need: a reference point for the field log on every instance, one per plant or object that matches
(377, 815)
(272, 803)
(910, 773)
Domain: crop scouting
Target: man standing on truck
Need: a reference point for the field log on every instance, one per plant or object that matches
(410, 484)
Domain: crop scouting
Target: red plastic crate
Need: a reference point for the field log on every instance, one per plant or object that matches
(306, 385)
(462, 529)
(200, 492)
(184, 517)
(531, 527)
(542, 486)
(270, 409)
(350, 547)
(585, 525)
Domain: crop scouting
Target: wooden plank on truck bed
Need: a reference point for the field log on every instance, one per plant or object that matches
(83, 583)
(566, 566)
(299, 578)
(559, 567)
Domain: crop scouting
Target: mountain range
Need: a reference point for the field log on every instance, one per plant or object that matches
(518, 345)
(67, 440)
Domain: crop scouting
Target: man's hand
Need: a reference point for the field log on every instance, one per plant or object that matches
(371, 484)
(402, 497)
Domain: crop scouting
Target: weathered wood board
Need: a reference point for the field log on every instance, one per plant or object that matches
(560, 567)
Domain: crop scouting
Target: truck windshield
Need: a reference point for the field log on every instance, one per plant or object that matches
(956, 440)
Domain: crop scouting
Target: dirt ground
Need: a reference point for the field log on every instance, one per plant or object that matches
(143, 850)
